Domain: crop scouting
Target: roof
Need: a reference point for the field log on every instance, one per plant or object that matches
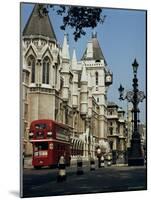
(39, 23)
(111, 104)
(48, 121)
(97, 51)
(121, 110)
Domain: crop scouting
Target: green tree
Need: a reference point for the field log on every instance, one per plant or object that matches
(77, 17)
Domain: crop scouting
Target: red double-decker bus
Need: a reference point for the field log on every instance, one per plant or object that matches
(50, 140)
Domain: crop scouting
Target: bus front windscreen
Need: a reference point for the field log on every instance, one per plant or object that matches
(41, 146)
(41, 149)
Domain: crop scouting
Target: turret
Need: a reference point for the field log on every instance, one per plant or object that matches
(96, 64)
(75, 80)
(65, 69)
(89, 96)
(74, 61)
(84, 93)
(65, 48)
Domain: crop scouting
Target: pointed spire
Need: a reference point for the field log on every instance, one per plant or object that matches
(98, 54)
(74, 60)
(68, 52)
(39, 23)
(94, 34)
(65, 48)
(93, 50)
(84, 74)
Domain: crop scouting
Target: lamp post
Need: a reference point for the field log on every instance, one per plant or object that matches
(135, 155)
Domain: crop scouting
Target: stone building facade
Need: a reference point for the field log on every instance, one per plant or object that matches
(61, 88)
(117, 133)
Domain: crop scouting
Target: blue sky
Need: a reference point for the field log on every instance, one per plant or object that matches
(122, 38)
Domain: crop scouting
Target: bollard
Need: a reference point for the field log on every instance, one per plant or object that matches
(99, 158)
(79, 166)
(62, 170)
(109, 160)
(114, 156)
(92, 164)
(102, 161)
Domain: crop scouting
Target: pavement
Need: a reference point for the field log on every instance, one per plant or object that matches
(43, 182)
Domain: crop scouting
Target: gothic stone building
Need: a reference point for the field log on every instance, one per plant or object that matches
(61, 88)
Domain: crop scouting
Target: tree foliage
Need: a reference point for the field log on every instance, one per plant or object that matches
(79, 18)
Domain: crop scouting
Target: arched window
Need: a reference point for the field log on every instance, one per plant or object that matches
(45, 71)
(31, 63)
(96, 78)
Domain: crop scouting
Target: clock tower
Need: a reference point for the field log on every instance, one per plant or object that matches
(96, 67)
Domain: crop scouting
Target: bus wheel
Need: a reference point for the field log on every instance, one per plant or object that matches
(37, 167)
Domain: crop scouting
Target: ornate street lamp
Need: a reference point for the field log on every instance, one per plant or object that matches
(135, 67)
(135, 155)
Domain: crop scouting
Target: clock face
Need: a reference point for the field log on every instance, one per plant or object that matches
(130, 95)
(108, 78)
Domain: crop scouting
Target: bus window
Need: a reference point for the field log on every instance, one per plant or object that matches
(40, 126)
(41, 146)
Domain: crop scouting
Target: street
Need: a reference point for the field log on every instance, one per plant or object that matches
(43, 182)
